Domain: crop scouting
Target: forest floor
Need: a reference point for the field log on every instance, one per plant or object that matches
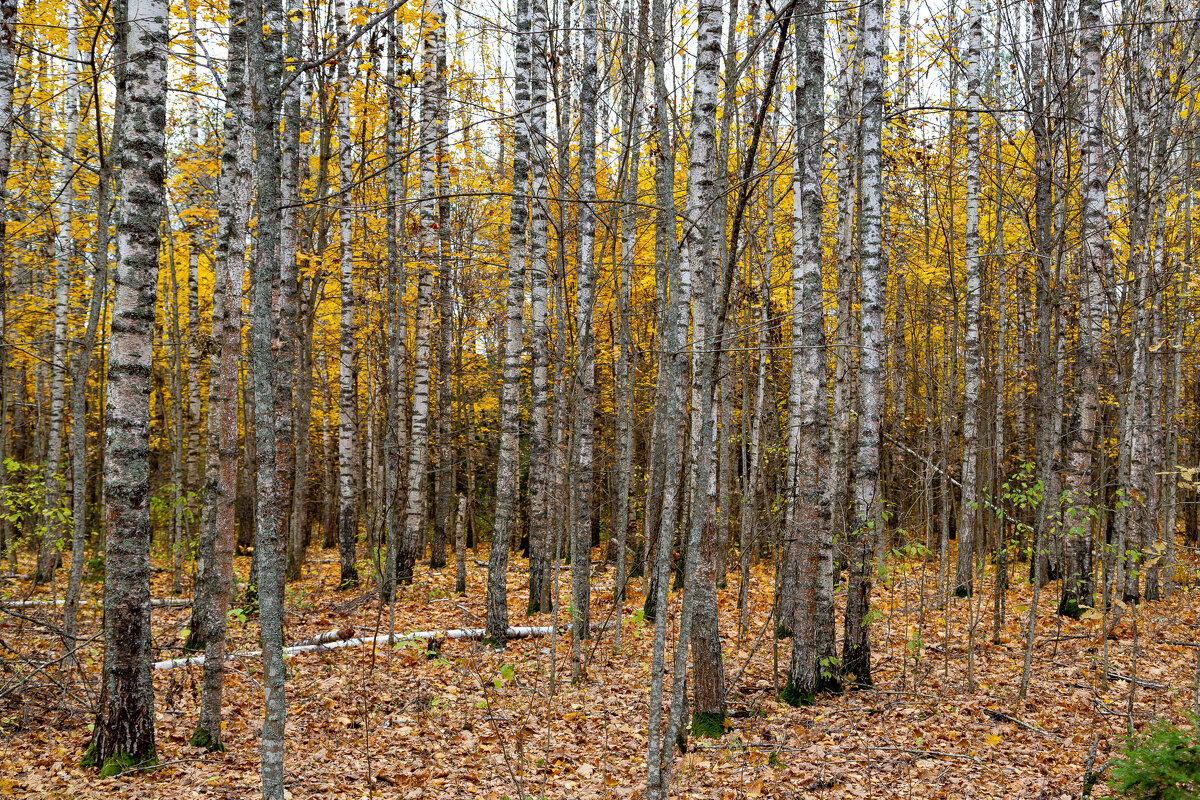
(942, 720)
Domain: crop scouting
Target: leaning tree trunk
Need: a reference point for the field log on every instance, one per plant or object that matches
(123, 732)
(626, 367)
(83, 360)
(856, 660)
(508, 463)
(696, 259)
(671, 374)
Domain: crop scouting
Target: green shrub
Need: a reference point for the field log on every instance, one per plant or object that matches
(1161, 764)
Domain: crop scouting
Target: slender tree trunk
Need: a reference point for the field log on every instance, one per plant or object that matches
(541, 544)
(348, 344)
(83, 359)
(809, 533)
(507, 465)
(396, 425)
(214, 552)
(1081, 495)
(635, 66)
(856, 660)
(64, 246)
(444, 487)
(582, 490)
(266, 57)
(427, 242)
(968, 508)
(123, 732)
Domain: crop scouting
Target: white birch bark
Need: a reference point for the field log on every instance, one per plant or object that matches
(507, 465)
(216, 542)
(856, 653)
(540, 539)
(347, 342)
(582, 490)
(968, 508)
(809, 534)
(123, 732)
(64, 245)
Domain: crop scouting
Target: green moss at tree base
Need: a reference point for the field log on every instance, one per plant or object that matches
(202, 738)
(1069, 607)
(117, 763)
(782, 632)
(792, 695)
(829, 684)
(708, 724)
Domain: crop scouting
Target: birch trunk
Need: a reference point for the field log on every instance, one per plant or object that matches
(856, 657)
(540, 538)
(123, 732)
(396, 425)
(83, 359)
(809, 533)
(671, 388)
(1081, 496)
(347, 346)
(64, 245)
(968, 508)
(507, 465)
(582, 490)
(266, 57)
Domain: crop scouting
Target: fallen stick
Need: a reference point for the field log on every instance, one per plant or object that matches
(167, 602)
(457, 633)
(1116, 676)
(1000, 716)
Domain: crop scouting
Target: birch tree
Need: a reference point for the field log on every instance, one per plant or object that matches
(507, 464)
(809, 535)
(123, 731)
(968, 510)
(64, 246)
(348, 344)
(215, 545)
(585, 366)
(856, 653)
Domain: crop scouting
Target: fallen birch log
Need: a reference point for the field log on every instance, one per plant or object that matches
(168, 602)
(455, 633)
